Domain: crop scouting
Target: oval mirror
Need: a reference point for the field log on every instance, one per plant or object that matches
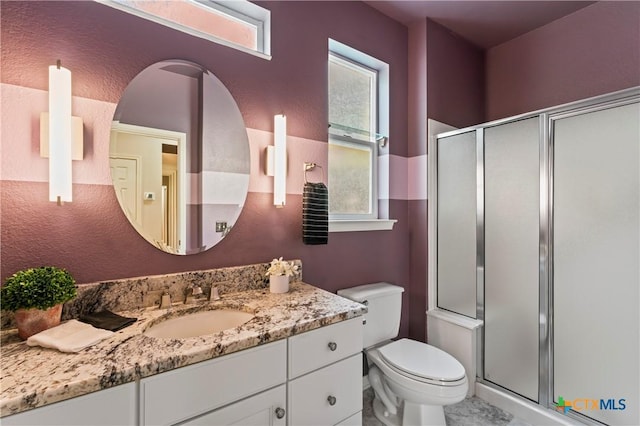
(179, 157)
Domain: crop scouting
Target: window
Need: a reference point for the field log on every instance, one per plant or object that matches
(352, 98)
(352, 146)
(358, 117)
(236, 23)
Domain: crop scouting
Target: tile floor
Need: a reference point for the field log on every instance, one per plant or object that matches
(470, 412)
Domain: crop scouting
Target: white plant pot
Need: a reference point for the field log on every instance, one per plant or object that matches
(278, 283)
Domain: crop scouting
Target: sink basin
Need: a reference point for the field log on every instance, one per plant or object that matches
(198, 324)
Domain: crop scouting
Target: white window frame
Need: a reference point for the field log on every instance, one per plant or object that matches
(373, 101)
(343, 137)
(360, 61)
(238, 10)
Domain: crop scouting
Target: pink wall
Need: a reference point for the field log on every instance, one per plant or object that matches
(105, 49)
(446, 83)
(455, 78)
(593, 51)
(417, 88)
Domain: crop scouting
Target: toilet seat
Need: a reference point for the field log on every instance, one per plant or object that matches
(422, 362)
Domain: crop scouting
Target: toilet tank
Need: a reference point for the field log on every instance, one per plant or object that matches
(384, 303)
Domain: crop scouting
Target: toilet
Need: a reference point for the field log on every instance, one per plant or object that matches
(412, 381)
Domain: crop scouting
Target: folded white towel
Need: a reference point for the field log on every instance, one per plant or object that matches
(72, 336)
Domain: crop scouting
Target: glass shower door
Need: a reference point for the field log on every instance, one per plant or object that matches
(596, 263)
(511, 244)
(456, 221)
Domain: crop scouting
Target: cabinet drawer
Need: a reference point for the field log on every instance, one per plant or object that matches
(187, 392)
(310, 397)
(317, 348)
(265, 409)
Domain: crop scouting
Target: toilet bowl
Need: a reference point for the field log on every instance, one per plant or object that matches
(412, 381)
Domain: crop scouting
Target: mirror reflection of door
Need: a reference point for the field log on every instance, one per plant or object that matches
(170, 226)
(197, 207)
(151, 179)
(124, 171)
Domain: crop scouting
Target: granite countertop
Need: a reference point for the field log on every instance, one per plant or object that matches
(32, 376)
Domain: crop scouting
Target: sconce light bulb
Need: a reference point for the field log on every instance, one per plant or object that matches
(60, 136)
(280, 160)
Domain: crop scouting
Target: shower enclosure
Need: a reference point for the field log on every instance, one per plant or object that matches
(537, 221)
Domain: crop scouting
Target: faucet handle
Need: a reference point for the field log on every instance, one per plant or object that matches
(215, 294)
(165, 300)
(192, 292)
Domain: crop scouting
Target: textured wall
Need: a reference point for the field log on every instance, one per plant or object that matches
(593, 51)
(455, 78)
(446, 83)
(105, 48)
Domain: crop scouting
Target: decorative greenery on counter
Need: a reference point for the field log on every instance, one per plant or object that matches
(39, 288)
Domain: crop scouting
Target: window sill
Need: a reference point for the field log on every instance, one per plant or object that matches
(361, 225)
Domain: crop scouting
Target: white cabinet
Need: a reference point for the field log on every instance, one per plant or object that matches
(314, 378)
(325, 373)
(248, 388)
(327, 396)
(187, 392)
(265, 409)
(323, 346)
(113, 406)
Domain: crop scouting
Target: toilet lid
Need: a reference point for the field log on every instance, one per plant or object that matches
(422, 360)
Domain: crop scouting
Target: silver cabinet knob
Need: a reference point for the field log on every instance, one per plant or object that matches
(333, 346)
(332, 400)
(280, 412)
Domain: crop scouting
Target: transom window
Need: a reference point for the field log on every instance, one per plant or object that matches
(239, 23)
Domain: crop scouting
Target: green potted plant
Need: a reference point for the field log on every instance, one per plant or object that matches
(36, 296)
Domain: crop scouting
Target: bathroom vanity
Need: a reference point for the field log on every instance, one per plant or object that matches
(298, 361)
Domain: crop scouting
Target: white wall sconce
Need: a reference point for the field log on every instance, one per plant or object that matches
(276, 160)
(60, 135)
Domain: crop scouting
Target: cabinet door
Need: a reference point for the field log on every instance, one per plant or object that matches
(264, 409)
(113, 406)
(327, 396)
(186, 392)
